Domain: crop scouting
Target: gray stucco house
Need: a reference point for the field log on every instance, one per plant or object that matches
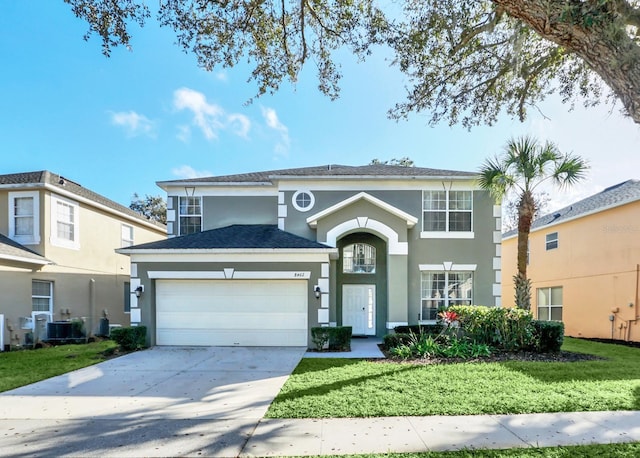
(260, 258)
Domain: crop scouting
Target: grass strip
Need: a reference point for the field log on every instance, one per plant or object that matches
(23, 367)
(631, 450)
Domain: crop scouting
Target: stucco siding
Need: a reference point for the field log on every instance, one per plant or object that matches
(225, 211)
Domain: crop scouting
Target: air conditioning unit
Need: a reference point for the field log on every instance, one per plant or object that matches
(26, 322)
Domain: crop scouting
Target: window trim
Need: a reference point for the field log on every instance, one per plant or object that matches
(180, 215)
(50, 296)
(446, 273)
(294, 202)
(33, 239)
(447, 234)
(55, 239)
(550, 306)
(554, 242)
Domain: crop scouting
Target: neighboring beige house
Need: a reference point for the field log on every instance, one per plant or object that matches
(584, 264)
(57, 254)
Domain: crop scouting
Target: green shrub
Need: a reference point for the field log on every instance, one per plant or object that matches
(419, 329)
(130, 338)
(507, 329)
(428, 346)
(338, 338)
(390, 341)
(320, 337)
(549, 335)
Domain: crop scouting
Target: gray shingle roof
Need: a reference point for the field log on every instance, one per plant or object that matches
(237, 236)
(12, 249)
(45, 177)
(618, 194)
(328, 171)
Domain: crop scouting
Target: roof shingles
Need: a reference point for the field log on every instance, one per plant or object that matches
(238, 236)
(329, 171)
(618, 194)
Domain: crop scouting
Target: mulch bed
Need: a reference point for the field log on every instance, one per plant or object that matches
(561, 357)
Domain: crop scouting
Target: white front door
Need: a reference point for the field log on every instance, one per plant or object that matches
(359, 308)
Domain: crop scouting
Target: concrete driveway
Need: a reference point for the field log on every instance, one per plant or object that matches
(166, 401)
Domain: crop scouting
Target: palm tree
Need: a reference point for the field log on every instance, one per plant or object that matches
(524, 166)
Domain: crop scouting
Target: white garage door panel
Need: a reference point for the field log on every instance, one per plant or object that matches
(231, 312)
(230, 338)
(231, 320)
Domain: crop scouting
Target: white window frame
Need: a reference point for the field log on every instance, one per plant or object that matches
(56, 240)
(50, 297)
(447, 233)
(34, 238)
(294, 200)
(549, 306)
(551, 241)
(126, 240)
(180, 215)
(447, 301)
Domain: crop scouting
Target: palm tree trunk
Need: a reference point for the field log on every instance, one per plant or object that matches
(526, 212)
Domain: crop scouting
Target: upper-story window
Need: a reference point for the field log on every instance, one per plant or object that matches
(303, 200)
(447, 212)
(359, 258)
(190, 214)
(126, 236)
(24, 210)
(552, 241)
(65, 223)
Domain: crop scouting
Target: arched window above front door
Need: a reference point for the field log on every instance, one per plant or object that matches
(359, 258)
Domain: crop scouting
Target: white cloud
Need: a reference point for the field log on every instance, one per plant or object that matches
(134, 124)
(186, 171)
(271, 118)
(240, 124)
(209, 117)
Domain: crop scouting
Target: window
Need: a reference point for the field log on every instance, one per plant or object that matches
(447, 211)
(42, 296)
(24, 225)
(303, 200)
(126, 236)
(550, 303)
(443, 289)
(552, 241)
(65, 223)
(190, 215)
(359, 258)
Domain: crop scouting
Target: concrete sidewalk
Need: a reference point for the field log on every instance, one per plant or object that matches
(335, 436)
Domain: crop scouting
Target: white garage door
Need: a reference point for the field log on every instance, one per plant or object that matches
(231, 312)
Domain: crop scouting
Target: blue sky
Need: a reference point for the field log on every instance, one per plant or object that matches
(117, 125)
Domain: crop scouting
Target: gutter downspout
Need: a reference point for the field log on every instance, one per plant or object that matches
(92, 307)
(635, 305)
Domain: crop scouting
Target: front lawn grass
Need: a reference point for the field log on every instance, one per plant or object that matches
(631, 450)
(19, 368)
(324, 388)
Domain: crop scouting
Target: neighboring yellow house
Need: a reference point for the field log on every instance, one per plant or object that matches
(584, 263)
(57, 255)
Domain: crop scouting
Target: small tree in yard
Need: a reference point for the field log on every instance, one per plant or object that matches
(524, 166)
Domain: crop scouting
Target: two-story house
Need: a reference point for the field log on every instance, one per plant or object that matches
(57, 253)
(584, 264)
(259, 258)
